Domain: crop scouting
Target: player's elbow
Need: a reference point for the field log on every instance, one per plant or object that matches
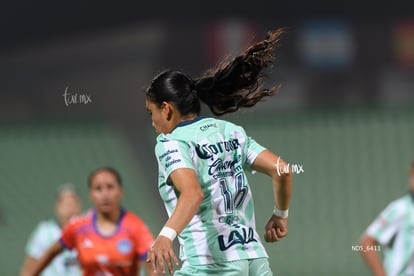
(283, 178)
(281, 169)
(199, 196)
(193, 196)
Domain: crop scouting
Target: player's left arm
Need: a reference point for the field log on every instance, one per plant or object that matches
(270, 164)
(190, 197)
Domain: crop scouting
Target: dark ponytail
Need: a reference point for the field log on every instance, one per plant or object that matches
(225, 89)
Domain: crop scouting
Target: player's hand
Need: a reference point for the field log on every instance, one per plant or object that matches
(276, 229)
(162, 251)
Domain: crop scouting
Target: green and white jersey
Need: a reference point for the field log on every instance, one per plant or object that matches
(45, 234)
(220, 152)
(394, 228)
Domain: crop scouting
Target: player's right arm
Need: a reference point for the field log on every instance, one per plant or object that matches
(67, 240)
(35, 248)
(381, 232)
(28, 265)
(38, 266)
(371, 257)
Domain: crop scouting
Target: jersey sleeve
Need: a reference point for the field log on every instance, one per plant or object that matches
(143, 239)
(37, 244)
(386, 225)
(172, 155)
(253, 149)
(67, 239)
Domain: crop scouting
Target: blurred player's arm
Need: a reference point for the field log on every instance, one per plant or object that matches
(36, 246)
(371, 257)
(381, 231)
(28, 265)
(266, 163)
(34, 268)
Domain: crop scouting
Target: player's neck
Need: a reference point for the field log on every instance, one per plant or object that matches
(112, 217)
(188, 117)
(106, 223)
(178, 118)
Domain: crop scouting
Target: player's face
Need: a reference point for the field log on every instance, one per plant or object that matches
(105, 192)
(412, 178)
(67, 206)
(159, 116)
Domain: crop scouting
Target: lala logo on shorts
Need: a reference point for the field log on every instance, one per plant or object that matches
(236, 236)
(124, 246)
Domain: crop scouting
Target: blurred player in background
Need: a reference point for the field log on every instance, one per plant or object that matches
(109, 240)
(394, 229)
(47, 232)
(202, 169)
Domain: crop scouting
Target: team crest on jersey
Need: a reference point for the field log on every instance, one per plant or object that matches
(124, 246)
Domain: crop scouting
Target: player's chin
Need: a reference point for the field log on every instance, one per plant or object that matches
(107, 207)
(156, 128)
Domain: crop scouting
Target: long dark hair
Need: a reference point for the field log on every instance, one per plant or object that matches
(233, 84)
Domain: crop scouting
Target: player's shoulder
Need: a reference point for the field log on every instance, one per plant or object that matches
(163, 138)
(79, 220)
(171, 140)
(232, 127)
(132, 219)
(400, 205)
(46, 226)
(221, 122)
(401, 201)
(209, 126)
(202, 128)
(50, 223)
(165, 145)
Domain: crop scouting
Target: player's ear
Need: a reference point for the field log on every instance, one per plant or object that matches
(167, 110)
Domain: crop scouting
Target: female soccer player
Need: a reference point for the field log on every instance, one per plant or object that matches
(202, 169)
(110, 240)
(394, 230)
(67, 205)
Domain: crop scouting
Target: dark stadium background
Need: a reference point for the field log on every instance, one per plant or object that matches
(345, 111)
